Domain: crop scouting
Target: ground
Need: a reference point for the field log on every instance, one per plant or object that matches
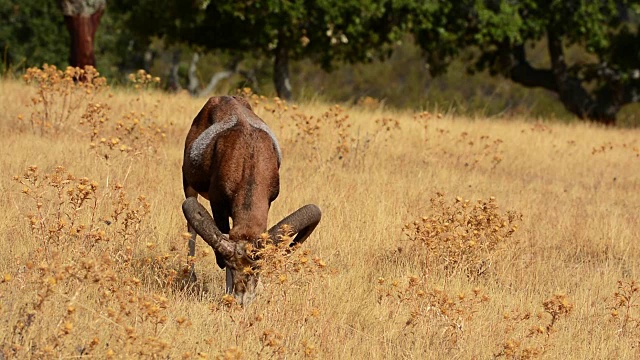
(540, 262)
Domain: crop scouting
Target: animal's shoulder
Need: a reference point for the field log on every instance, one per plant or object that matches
(223, 109)
(226, 101)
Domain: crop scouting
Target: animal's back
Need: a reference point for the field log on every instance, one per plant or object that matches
(227, 125)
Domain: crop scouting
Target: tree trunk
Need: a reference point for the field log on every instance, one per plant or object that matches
(194, 83)
(251, 79)
(573, 95)
(148, 60)
(82, 18)
(215, 79)
(281, 69)
(174, 78)
(231, 68)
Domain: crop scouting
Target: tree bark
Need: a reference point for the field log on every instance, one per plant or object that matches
(281, 69)
(82, 18)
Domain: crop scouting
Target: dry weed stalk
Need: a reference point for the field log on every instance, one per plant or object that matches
(286, 274)
(333, 125)
(89, 255)
(284, 270)
(58, 199)
(422, 119)
(95, 116)
(232, 353)
(473, 152)
(60, 94)
(422, 305)
(135, 134)
(624, 308)
(139, 133)
(141, 80)
(272, 345)
(341, 126)
(143, 83)
(632, 147)
(528, 336)
(332, 128)
(481, 149)
(309, 128)
(387, 125)
(135, 318)
(64, 212)
(461, 236)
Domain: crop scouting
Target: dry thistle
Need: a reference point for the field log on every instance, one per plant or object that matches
(141, 80)
(60, 94)
(624, 307)
(462, 236)
(527, 338)
(419, 304)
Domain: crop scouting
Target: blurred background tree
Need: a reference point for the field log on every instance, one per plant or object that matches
(322, 31)
(504, 33)
(32, 33)
(564, 59)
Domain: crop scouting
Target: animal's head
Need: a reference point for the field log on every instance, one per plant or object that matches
(239, 255)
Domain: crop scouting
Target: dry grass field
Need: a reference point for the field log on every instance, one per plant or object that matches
(539, 262)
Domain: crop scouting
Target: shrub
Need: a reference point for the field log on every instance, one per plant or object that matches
(461, 236)
(60, 94)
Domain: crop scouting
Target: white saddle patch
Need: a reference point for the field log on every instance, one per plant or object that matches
(198, 147)
(262, 126)
(201, 143)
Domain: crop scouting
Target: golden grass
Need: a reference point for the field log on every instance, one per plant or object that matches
(359, 287)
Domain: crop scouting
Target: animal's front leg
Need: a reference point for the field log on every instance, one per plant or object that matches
(221, 218)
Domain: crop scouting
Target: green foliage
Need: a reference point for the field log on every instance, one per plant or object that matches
(444, 29)
(32, 33)
(402, 81)
(118, 50)
(500, 29)
(323, 31)
(479, 36)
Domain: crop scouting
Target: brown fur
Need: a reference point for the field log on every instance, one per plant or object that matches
(238, 173)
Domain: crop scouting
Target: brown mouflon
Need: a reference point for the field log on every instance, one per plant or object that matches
(232, 159)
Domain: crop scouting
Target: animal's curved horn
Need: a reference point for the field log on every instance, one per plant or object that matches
(302, 222)
(203, 223)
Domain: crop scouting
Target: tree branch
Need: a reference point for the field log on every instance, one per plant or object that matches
(524, 74)
(602, 107)
(215, 79)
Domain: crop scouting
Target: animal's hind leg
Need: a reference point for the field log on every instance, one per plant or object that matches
(192, 250)
(190, 192)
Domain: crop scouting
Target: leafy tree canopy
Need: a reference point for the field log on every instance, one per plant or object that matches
(500, 29)
(32, 33)
(324, 30)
